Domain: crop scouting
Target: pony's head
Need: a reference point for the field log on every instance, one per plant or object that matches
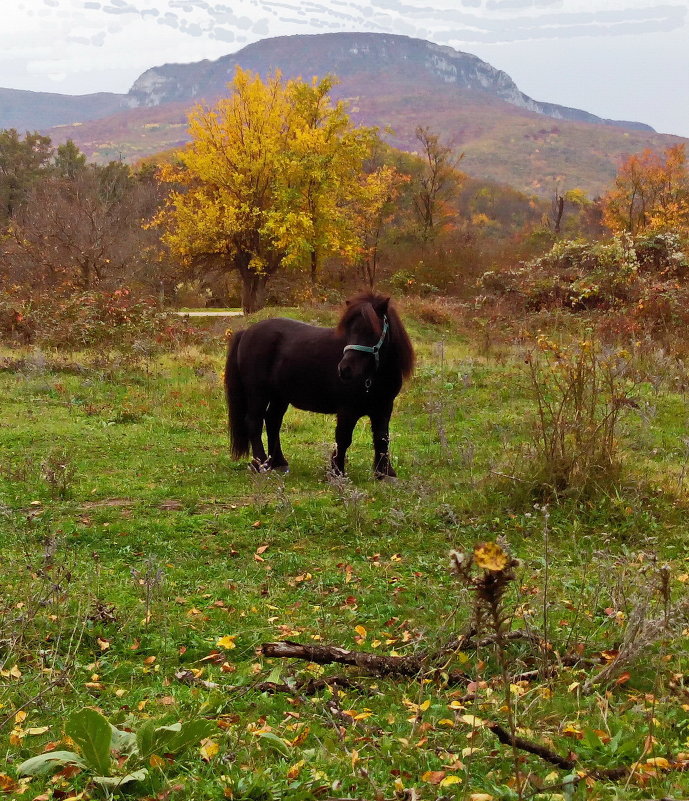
(373, 333)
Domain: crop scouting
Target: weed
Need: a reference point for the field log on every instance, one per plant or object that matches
(580, 393)
(58, 472)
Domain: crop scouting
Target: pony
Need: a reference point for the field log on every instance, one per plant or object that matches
(354, 370)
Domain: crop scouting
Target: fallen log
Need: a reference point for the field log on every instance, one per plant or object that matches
(378, 664)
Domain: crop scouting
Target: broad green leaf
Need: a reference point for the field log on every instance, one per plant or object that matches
(124, 742)
(145, 738)
(190, 733)
(46, 763)
(93, 734)
(118, 781)
(274, 743)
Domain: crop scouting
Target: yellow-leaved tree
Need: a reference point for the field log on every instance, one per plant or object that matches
(268, 181)
(651, 193)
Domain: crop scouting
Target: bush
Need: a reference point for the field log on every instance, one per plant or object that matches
(574, 274)
(114, 320)
(580, 393)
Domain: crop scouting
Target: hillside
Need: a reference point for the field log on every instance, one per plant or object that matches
(29, 111)
(389, 81)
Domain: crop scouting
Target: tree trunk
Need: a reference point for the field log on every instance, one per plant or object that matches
(314, 266)
(253, 291)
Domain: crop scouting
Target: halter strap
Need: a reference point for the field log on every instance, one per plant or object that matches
(375, 349)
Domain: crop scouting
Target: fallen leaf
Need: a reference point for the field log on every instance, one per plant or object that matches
(658, 762)
(36, 730)
(295, 770)
(472, 720)
(433, 776)
(227, 642)
(7, 783)
(209, 748)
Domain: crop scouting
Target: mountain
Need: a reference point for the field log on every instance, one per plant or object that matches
(30, 111)
(394, 82)
(348, 55)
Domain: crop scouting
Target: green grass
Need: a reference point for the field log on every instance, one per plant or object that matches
(132, 543)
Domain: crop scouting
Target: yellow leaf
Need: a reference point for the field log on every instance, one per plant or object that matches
(7, 783)
(446, 722)
(227, 642)
(480, 797)
(658, 762)
(37, 730)
(425, 705)
(448, 780)
(472, 720)
(209, 749)
(490, 556)
(156, 761)
(20, 717)
(295, 770)
(361, 631)
(572, 730)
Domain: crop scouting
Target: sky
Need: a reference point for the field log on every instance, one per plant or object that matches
(621, 59)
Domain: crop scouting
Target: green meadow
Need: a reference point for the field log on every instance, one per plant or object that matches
(142, 570)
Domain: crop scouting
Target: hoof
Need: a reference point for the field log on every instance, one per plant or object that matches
(259, 467)
(391, 477)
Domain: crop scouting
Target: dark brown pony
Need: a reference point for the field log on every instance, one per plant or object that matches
(355, 370)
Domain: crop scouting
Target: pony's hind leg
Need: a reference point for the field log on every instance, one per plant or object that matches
(254, 425)
(276, 459)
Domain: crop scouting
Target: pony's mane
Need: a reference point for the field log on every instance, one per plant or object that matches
(369, 304)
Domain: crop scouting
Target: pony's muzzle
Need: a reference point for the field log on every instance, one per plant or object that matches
(345, 372)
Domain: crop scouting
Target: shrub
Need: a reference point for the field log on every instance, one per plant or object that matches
(81, 320)
(574, 274)
(580, 393)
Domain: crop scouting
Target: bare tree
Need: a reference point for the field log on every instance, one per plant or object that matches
(438, 179)
(84, 230)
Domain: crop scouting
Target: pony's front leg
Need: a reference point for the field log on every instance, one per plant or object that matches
(380, 428)
(343, 439)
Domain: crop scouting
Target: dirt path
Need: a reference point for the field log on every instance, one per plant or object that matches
(208, 313)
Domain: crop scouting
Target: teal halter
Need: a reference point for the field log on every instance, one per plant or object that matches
(375, 350)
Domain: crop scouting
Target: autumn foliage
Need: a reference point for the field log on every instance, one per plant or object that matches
(268, 182)
(651, 192)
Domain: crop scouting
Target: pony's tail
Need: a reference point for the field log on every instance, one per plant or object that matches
(236, 401)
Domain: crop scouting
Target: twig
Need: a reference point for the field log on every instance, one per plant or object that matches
(546, 754)
(308, 686)
(506, 738)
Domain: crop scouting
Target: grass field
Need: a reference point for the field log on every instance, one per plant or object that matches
(143, 568)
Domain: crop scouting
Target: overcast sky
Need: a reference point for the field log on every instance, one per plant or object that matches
(624, 59)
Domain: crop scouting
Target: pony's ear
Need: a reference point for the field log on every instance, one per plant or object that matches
(382, 305)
